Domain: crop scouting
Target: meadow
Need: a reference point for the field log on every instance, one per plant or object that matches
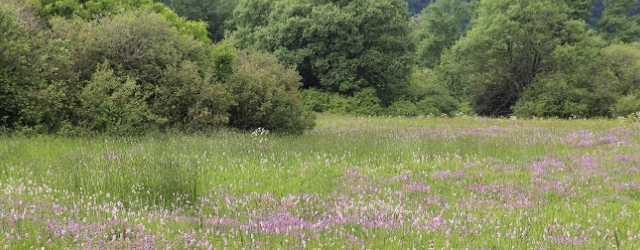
(351, 183)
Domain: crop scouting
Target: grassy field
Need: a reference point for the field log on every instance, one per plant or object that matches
(351, 183)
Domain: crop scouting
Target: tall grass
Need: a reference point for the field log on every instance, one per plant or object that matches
(354, 182)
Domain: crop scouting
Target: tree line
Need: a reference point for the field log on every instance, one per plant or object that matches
(134, 66)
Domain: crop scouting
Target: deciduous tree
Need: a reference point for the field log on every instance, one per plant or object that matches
(441, 25)
(617, 23)
(339, 46)
(511, 44)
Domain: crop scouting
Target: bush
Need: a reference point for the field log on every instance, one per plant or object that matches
(16, 75)
(627, 105)
(429, 96)
(96, 9)
(223, 57)
(175, 71)
(190, 101)
(402, 108)
(266, 95)
(365, 102)
(38, 86)
(554, 97)
(320, 101)
(604, 87)
(116, 105)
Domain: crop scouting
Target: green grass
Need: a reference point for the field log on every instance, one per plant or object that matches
(379, 183)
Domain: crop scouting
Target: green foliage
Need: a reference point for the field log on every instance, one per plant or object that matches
(130, 70)
(34, 72)
(510, 45)
(265, 95)
(423, 97)
(623, 63)
(449, 74)
(430, 95)
(338, 46)
(580, 9)
(32, 68)
(616, 25)
(171, 69)
(116, 105)
(553, 97)
(402, 108)
(366, 102)
(190, 101)
(627, 106)
(223, 57)
(216, 13)
(417, 6)
(441, 25)
(604, 87)
(322, 101)
(142, 42)
(15, 77)
(95, 9)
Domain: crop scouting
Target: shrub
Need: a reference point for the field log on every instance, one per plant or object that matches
(190, 101)
(553, 97)
(116, 105)
(38, 85)
(223, 57)
(175, 71)
(437, 104)
(626, 105)
(365, 102)
(16, 76)
(430, 97)
(428, 107)
(320, 101)
(402, 108)
(315, 100)
(266, 95)
(96, 9)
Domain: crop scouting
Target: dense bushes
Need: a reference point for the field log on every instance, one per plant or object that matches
(422, 96)
(337, 46)
(605, 87)
(89, 10)
(169, 75)
(14, 67)
(115, 105)
(32, 68)
(362, 103)
(132, 66)
(265, 95)
(134, 71)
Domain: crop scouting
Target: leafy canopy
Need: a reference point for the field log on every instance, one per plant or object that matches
(441, 25)
(339, 46)
(512, 43)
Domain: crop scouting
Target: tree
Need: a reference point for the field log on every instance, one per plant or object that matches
(416, 6)
(339, 46)
(216, 13)
(580, 9)
(90, 10)
(616, 24)
(429, 95)
(265, 95)
(441, 25)
(512, 43)
(143, 56)
(605, 86)
(16, 78)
